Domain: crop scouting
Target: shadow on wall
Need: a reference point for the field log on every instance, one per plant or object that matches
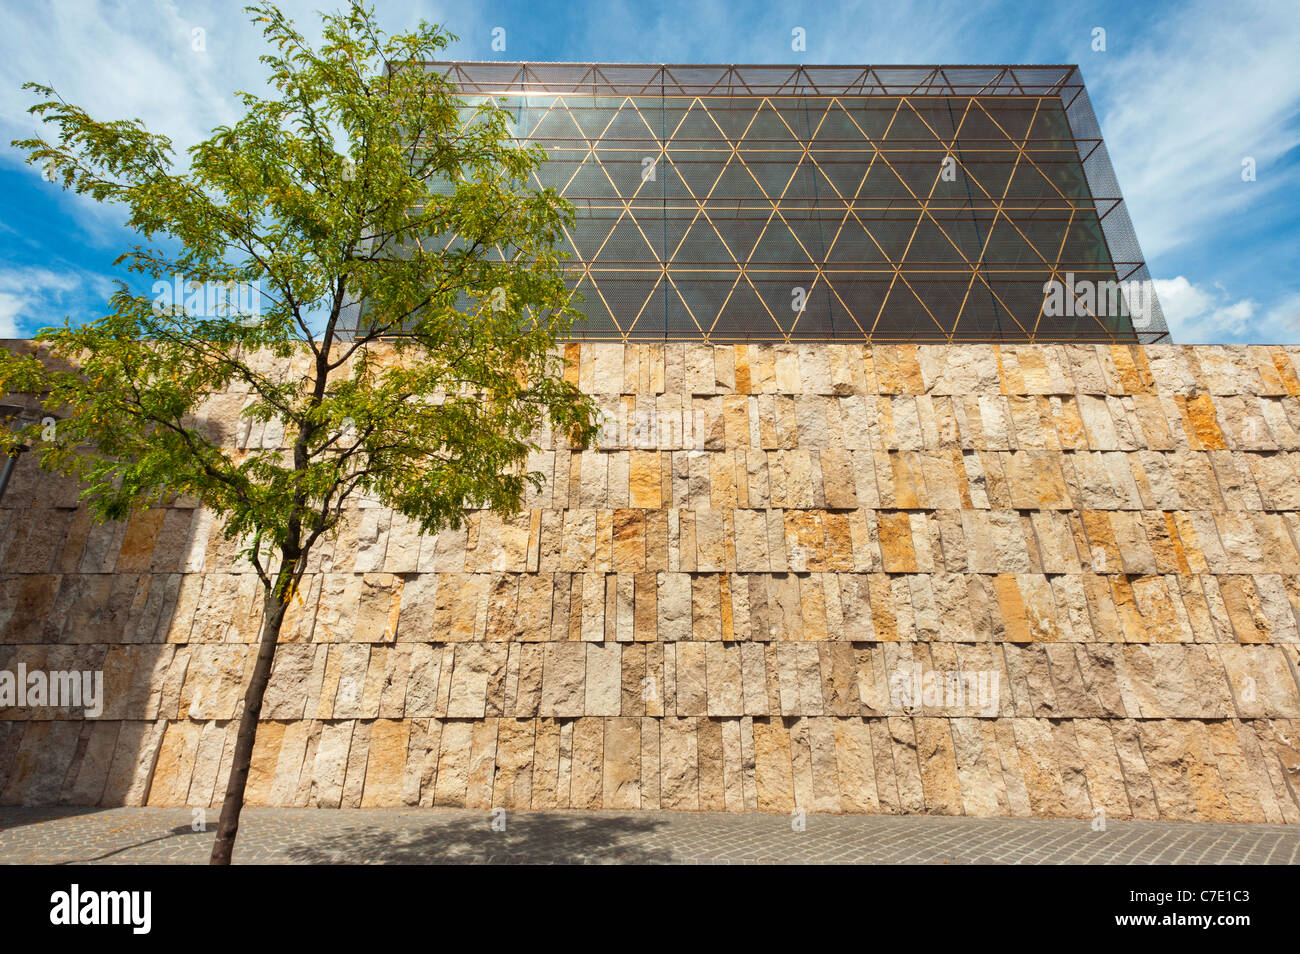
(86, 615)
(1110, 532)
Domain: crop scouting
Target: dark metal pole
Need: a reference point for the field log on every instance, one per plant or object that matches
(10, 414)
(4, 477)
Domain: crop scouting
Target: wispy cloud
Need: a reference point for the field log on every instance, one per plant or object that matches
(1206, 314)
(176, 67)
(176, 71)
(33, 298)
(1188, 98)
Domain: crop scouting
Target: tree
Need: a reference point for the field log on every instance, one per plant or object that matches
(362, 178)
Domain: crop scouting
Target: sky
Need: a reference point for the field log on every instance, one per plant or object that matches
(1186, 94)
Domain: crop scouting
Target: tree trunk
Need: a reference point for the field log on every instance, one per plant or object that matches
(228, 825)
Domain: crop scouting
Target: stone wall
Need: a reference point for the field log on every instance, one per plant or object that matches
(712, 610)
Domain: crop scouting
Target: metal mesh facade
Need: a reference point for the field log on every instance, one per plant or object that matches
(791, 203)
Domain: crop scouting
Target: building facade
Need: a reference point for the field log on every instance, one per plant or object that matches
(1049, 580)
(792, 203)
(918, 546)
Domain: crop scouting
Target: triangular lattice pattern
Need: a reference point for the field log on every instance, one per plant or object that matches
(788, 203)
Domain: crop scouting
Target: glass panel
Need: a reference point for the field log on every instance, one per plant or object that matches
(917, 215)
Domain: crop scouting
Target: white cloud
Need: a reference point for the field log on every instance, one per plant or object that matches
(1206, 314)
(1285, 318)
(137, 60)
(1182, 301)
(1185, 101)
(34, 279)
(32, 298)
(10, 306)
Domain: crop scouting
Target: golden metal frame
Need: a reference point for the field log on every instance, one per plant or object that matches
(632, 84)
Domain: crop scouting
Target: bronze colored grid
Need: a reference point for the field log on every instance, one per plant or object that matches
(893, 257)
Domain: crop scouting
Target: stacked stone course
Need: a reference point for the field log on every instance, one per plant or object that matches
(706, 611)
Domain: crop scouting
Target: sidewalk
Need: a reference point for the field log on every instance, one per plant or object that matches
(430, 835)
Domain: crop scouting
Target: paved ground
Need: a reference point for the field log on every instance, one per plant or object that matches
(274, 835)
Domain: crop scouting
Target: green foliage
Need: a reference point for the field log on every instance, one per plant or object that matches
(362, 178)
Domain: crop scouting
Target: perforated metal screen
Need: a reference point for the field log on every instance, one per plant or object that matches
(840, 203)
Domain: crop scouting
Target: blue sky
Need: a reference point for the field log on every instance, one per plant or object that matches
(1184, 92)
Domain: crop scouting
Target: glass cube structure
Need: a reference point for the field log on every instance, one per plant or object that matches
(853, 203)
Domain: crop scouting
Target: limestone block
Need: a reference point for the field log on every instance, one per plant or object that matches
(603, 679)
(564, 680)
(679, 764)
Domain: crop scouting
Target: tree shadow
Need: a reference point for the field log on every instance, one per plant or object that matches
(528, 838)
(179, 830)
(69, 847)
